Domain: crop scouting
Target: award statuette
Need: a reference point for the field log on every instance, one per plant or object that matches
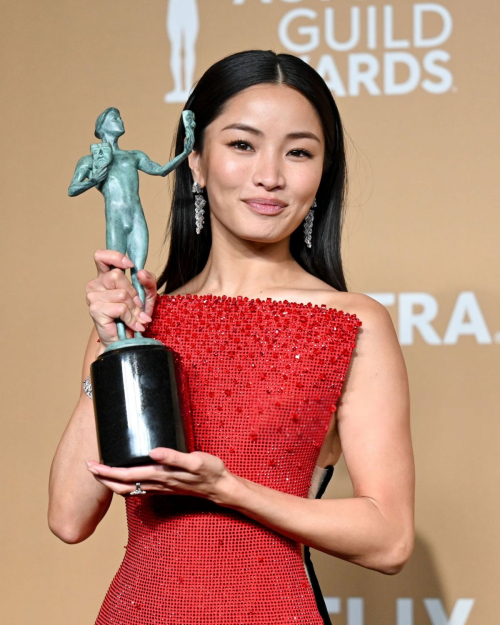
(138, 386)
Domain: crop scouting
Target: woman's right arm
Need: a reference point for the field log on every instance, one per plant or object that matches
(78, 502)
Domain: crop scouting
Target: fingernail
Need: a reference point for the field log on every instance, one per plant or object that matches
(140, 327)
(127, 262)
(144, 317)
(93, 470)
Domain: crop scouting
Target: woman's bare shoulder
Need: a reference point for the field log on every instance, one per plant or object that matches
(309, 288)
(359, 304)
(377, 327)
(377, 340)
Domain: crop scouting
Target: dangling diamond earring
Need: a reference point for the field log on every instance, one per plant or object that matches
(199, 203)
(308, 224)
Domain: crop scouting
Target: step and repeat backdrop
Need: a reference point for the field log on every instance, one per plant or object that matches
(417, 85)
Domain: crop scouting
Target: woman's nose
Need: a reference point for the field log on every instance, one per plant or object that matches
(267, 172)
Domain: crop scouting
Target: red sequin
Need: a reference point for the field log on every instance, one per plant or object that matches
(264, 378)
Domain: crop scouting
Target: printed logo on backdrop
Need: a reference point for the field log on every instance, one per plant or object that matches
(416, 313)
(404, 614)
(373, 58)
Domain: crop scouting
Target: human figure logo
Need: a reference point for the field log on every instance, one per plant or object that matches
(182, 29)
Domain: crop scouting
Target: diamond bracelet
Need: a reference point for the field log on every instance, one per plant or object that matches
(87, 386)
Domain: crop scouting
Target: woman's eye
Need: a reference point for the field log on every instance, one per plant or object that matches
(244, 146)
(300, 153)
(241, 145)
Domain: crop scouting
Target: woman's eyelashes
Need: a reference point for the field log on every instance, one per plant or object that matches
(245, 146)
(238, 143)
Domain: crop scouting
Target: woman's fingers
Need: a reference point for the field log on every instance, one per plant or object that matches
(195, 473)
(104, 313)
(126, 489)
(113, 279)
(174, 458)
(116, 279)
(112, 296)
(114, 287)
(195, 462)
(148, 281)
(152, 478)
(120, 296)
(149, 473)
(105, 260)
(115, 282)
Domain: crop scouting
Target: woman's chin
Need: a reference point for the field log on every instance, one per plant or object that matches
(258, 232)
(258, 237)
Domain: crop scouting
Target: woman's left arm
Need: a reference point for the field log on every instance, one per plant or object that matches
(374, 528)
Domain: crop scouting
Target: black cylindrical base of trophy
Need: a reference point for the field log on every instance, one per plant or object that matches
(136, 404)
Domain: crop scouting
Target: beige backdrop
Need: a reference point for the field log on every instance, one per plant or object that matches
(418, 93)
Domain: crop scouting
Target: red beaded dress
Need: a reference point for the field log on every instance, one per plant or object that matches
(264, 379)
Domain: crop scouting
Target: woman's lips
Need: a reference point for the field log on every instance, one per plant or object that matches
(265, 209)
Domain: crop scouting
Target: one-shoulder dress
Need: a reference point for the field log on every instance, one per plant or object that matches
(264, 379)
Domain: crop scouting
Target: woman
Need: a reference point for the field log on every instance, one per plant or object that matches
(258, 308)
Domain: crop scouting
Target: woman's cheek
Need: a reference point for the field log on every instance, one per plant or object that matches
(303, 182)
(234, 171)
(224, 165)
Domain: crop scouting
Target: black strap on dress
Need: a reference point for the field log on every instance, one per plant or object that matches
(320, 602)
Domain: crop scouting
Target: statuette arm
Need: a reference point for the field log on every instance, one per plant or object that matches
(145, 164)
(82, 178)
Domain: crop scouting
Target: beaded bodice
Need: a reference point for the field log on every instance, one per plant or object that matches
(264, 378)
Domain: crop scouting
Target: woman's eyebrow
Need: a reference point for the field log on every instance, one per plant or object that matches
(255, 131)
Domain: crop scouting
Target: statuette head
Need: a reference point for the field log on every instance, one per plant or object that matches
(109, 122)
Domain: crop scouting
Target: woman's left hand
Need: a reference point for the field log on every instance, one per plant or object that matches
(197, 474)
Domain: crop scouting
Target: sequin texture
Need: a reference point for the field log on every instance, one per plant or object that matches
(264, 379)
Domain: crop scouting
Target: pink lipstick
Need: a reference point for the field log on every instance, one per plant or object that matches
(266, 206)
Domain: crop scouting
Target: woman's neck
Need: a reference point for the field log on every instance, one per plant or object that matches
(246, 268)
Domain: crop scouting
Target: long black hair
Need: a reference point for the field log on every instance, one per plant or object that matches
(189, 251)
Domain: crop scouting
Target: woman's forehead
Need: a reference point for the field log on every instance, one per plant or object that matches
(269, 108)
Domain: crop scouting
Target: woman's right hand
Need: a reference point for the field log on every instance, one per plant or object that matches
(111, 296)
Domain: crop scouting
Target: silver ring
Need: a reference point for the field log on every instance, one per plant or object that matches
(138, 490)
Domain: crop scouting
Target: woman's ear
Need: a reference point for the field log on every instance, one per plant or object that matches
(194, 160)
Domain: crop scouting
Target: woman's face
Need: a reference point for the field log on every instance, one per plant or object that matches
(262, 163)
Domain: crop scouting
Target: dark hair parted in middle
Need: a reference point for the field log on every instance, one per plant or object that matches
(189, 251)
